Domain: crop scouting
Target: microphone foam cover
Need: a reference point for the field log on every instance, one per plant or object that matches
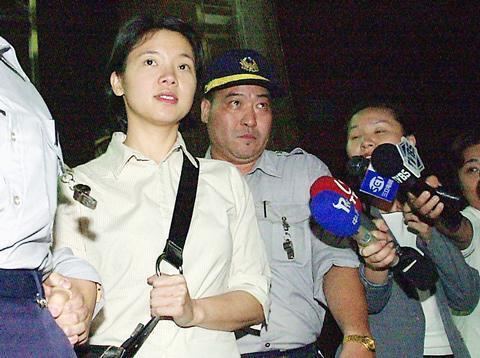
(386, 160)
(334, 213)
(357, 166)
(337, 186)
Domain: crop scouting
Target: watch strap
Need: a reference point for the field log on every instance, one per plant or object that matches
(367, 341)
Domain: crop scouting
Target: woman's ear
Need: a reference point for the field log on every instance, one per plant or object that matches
(116, 83)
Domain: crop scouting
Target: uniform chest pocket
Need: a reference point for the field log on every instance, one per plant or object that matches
(286, 231)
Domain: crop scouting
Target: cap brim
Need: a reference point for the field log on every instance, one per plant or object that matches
(274, 89)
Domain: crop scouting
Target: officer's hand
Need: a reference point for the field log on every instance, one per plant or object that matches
(355, 350)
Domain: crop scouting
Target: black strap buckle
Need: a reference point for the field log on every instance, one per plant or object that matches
(172, 255)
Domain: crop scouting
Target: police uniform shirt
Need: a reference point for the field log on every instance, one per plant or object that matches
(280, 183)
(127, 231)
(29, 166)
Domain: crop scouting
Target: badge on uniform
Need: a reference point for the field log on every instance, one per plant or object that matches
(287, 243)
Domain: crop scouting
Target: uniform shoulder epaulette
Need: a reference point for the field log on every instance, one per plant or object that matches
(280, 153)
(295, 151)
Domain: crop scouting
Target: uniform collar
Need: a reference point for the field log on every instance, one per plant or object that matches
(7, 53)
(119, 154)
(265, 163)
(4, 46)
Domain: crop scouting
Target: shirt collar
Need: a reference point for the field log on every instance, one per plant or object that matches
(119, 154)
(4, 46)
(7, 52)
(267, 165)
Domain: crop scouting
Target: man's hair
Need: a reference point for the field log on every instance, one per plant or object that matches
(463, 141)
(209, 96)
(132, 33)
(394, 108)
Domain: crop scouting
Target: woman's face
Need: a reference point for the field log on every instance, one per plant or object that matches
(469, 175)
(371, 127)
(159, 81)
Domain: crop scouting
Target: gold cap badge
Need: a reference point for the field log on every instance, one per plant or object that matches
(248, 64)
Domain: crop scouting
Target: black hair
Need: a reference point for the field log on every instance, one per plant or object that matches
(394, 108)
(463, 141)
(132, 33)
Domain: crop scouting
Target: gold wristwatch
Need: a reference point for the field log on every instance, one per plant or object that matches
(366, 341)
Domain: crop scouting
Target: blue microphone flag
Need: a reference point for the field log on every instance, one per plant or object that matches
(379, 186)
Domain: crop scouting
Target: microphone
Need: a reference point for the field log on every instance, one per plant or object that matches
(403, 164)
(368, 181)
(334, 211)
(337, 186)
(357, 166)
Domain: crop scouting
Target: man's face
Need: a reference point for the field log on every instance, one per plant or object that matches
(239, 121)
(469, 175)
(371, 127)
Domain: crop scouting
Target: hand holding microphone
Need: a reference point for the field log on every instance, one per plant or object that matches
(377, 246)
(402, 163)
(336, 208)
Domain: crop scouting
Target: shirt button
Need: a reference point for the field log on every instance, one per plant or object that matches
(267, 345)
(16, 200)
(13, 136)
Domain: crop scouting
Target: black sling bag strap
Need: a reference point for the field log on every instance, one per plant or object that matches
(172, 253)
(182, 215)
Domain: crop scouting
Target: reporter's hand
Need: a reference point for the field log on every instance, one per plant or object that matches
(426, 205)
(170, 297)
(380, 254)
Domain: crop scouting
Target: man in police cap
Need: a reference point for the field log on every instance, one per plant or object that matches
(237, 108)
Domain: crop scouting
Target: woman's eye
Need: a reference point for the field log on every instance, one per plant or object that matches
(380, 131)
(150, 62)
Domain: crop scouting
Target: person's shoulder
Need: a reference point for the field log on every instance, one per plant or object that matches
(217, 167)
(96, 167)
(222, 176)
(295, 154)
(472, 212)
(298, 157)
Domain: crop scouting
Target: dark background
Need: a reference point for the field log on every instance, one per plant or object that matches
(423, 54)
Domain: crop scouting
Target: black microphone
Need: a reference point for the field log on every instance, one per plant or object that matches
(403, 166)
(417, 269)
(357, 166)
